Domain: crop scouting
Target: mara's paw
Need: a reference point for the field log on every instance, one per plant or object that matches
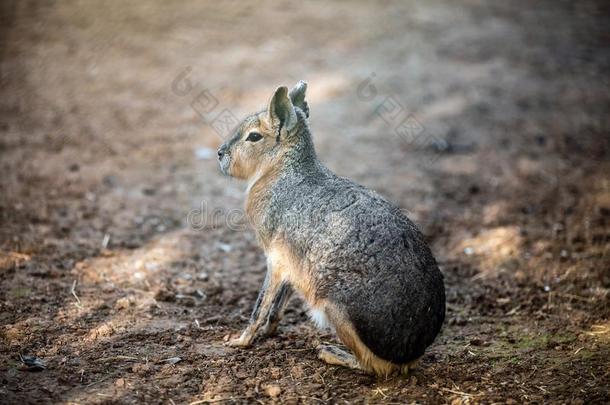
(241, 341)
(406, 369)
(338, 357)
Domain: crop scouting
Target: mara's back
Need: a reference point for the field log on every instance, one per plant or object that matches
(365, 255)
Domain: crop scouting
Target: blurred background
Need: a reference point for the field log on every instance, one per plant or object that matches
(125, 259)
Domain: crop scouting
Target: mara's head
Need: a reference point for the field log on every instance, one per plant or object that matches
(262, 139)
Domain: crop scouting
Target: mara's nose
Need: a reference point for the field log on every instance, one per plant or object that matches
(222, 151)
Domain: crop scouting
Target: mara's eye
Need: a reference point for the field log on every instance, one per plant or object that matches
(254, 136)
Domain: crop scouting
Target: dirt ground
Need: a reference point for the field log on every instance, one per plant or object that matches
(125, 259)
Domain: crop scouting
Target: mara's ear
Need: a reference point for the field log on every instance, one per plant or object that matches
(281, 111)
(297, 96)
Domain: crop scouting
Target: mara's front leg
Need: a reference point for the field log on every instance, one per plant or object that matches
(268, 307)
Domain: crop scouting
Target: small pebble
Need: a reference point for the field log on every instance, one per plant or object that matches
(122, 303)
(171, 360)
(273, 390)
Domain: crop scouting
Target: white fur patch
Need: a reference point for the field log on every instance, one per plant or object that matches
(319, 318)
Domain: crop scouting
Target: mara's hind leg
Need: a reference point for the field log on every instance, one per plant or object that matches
(365, 358)
(338, 357)
(405, 369)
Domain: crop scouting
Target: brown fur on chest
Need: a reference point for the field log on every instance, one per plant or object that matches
(292, 269)
(257, 202)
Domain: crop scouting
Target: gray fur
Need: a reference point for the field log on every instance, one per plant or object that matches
(366, 256)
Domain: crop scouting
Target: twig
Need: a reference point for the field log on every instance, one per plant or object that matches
(378, 390)
(578, 350)
(129, 358)
(598, 330)
(576, 297)
(73, 291)
(304, 397)
(212, 319)
(465, 394)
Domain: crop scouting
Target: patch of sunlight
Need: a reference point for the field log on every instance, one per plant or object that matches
(9, 259)
(495, 247)
(134, 267)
